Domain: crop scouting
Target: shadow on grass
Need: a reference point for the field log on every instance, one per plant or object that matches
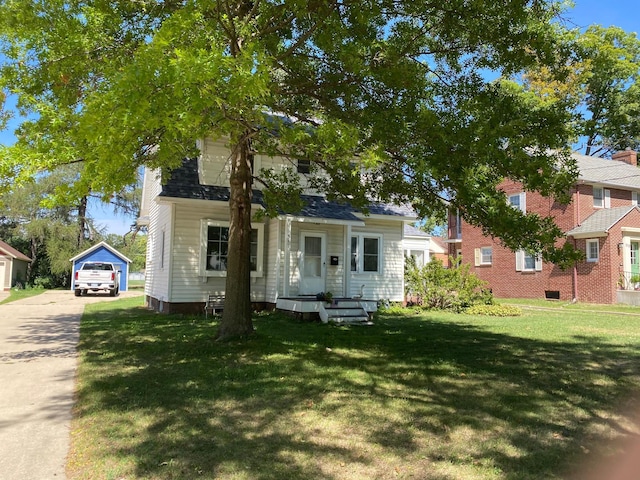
(420, 397)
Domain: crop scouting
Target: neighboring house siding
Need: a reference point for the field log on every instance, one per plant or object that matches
(5, 271)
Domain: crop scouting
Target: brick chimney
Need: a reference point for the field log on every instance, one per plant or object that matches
(627, 156)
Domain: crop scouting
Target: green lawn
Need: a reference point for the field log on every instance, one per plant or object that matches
(416, 396)
(19, 294)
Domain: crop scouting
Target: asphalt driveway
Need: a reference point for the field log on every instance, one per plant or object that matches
(38, 339)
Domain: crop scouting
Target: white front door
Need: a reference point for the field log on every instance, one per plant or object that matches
(313, 266)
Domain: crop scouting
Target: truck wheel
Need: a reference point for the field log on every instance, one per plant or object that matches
(77, 293)
(112, 293)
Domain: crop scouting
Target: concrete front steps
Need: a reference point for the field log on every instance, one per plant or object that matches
(344, 312)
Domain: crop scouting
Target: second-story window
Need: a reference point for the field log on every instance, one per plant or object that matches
(518, 201)
(601, 197)
(304, 166)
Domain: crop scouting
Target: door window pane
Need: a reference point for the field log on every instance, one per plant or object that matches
(312, 256)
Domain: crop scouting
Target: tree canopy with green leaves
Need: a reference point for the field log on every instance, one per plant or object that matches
(599, 81)
(390, 98)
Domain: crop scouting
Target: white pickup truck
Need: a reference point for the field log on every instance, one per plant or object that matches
(96, 276)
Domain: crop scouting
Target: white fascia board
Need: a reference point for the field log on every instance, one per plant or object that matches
(322, 221)
(590, 234)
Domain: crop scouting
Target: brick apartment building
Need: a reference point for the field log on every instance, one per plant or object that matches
(602, 220)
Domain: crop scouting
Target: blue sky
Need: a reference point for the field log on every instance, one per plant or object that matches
(622, 13)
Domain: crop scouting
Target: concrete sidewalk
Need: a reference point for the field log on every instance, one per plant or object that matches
(38, 339)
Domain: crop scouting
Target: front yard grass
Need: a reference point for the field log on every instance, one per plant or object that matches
(416, 396)
(19, 294)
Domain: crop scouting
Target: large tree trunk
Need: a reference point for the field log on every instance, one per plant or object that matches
(236, 316)
(82, 220)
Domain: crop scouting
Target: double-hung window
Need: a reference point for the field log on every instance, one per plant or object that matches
(601, 197)
(214, 250)
(518, 201)
(593, 250)
(483, 256)
(528, 262)
(366, 254)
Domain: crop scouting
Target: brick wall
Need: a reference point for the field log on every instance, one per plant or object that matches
(596, 281)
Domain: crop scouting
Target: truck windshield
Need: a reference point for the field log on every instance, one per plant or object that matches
(97, 266)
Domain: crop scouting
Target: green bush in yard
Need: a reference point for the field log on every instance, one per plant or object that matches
(436, 287)
(494, 310)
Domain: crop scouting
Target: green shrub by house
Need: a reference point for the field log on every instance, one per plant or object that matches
(455, 288)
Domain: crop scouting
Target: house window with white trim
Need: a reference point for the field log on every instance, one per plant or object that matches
(418, 256)
(528, 262)
(304, 165)
(215, 248)
(518, 201)
(483, 256)
(601, 197)
(634, 198)
(593, 250)
(366, 253)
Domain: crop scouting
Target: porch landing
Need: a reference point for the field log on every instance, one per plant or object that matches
(628, 297)
(352, 311)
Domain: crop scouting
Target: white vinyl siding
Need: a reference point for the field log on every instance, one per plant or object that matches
(527, 262)
(274, 267)
(214, 167)
(158, 258)
(189, 282)
(593, 250)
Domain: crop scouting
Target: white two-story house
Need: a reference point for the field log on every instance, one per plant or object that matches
(326, 247)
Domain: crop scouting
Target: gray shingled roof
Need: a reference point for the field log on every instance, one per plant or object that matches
(609, 172)
(601, 221)
(411, 231)
(185, 183)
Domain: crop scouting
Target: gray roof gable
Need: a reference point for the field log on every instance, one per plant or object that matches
(599, 223)
(411, 231)
(609, 172)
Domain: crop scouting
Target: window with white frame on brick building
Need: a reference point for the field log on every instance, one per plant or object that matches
(483, 256)
(593, 250)
(518, 201)
(601, 197)
(528, 262)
